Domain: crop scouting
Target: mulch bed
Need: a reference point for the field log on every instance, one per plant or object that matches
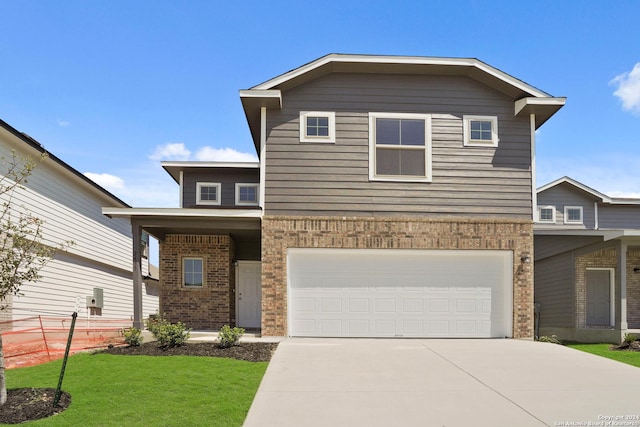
(28, 404)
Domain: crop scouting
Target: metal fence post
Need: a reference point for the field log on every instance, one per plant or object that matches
(64, 361)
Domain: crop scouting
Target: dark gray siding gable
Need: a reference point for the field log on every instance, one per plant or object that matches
(333, 178)
(227, 177)
(567, 195)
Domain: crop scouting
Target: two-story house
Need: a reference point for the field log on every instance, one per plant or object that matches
(587, 263)
(94, 274)
(393, 197)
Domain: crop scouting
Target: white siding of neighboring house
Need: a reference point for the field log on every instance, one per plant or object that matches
(101, 255)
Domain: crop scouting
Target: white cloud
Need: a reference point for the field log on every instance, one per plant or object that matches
(624, 194)
(224, 155)
(63, 123)
(171, 151)
(110, 182)
(628, 89)
(178, 151)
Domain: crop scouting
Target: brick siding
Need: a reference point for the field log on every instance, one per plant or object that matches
(210, 306)
(282, 232)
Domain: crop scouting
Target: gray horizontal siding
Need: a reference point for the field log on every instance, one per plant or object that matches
(554, 290)
(227, 177)
(619, 217)
(548, 246)
(567, 195)
(333, 179)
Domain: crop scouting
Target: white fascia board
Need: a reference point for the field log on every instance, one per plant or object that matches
(194, 164)
(271, 98)
(603, 197)
(181, 212)
(421, 60)
(547, 101)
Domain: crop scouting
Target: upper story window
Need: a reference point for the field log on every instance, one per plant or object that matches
(573, 214)
(208, 193)
(247, 194)
(480, 131)
(399, 147)
(192, 272)
(317, 126)
(547, 214)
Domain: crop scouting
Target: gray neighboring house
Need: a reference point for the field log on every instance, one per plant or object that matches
(394, 197)
(587, 263)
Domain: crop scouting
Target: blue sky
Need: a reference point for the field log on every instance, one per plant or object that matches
(115, 87)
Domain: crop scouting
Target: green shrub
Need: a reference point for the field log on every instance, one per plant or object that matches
(629, 338)
(552, 339)
(228, 337)
(132, 336)
(168, 334)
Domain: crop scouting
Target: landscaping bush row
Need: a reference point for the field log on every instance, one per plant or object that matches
(176, 334)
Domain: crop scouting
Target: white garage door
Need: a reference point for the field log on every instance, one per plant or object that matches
(399, 293)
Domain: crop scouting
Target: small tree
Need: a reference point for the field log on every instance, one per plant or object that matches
(23, 252)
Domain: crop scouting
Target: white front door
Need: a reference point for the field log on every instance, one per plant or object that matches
(249, 294)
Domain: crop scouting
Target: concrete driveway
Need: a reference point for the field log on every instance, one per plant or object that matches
(418, 382)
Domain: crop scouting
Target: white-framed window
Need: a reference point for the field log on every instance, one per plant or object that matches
(247, 194)
(317, 126)
(192, 272)
(547, 214)
(573, 214)
(399, 147)
(208, 193)
(480, 131)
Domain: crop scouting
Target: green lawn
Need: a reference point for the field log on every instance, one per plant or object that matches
(629, 357)
(108, 390)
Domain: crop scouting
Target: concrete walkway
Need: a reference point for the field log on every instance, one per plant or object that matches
(402, 382)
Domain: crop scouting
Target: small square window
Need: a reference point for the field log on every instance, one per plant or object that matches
(208, 193)
(192, 272)
(317, 126)
(547, 214)
(247, 194)
(573, 214)
(480, 131)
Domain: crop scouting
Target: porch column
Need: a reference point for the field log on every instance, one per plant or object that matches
(136, 231)
(621, 287)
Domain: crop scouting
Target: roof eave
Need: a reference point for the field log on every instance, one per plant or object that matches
(252, 101)
(543, 108)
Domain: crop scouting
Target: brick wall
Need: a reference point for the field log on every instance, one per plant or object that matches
(282, 232)
(210, 306)
(605, 258)
(633, 288)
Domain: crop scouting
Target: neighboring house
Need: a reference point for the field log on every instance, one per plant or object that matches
(587, 263)
(394, 197)
(97, 266)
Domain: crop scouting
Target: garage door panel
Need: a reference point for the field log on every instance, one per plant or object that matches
(365, 293)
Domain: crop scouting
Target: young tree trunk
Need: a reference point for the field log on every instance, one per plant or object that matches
(3, 384)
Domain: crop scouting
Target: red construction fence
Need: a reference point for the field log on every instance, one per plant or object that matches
(39, 339)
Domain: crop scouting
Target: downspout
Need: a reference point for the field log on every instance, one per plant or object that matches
(263, 154)
(595, 210)
(534, 193)
(181, 187)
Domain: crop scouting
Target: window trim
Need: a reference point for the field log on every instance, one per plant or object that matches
(216, 202)
(184, 284)
(553, 214)
(427, 147)
(566, 215)
(468, 142)
(247, 184)
(329, 139)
